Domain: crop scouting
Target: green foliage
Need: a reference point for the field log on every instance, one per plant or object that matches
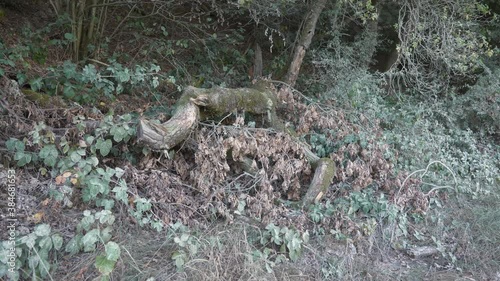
(475, 164)
(448, 143)
(278, 243)
(82, 84)
(89, 83)
(478, 109)
(33, 46)
(360, 9)
(343, 71)
(34, 254)
(20, 155)
(366, 208)
(187, 244)
(78, 165)
(444, 45)
(321, 144)
(95, 228)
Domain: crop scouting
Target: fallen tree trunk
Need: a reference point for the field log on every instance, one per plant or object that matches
(198, 104)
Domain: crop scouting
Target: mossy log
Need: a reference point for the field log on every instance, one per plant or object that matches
(198, 104)
(323, 175)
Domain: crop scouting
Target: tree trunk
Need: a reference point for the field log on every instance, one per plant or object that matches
(305, 39)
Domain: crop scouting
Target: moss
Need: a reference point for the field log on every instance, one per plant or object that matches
(42, 99)
(329, 174)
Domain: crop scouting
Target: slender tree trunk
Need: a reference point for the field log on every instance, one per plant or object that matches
(305, 39)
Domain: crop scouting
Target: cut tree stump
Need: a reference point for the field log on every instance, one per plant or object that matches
(198, 104)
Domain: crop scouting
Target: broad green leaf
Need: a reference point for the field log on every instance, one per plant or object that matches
(49, 155)
(112, 251)
(69, 36)
(14, 144)
(179, 258)
(123, 76)
(44, 267)
(89, 240)
(118, 133)
(22, 158)
(36, 84)
(87, 222)
(42, 230)
(104, 265)
(155, 83)
(104, 146)
(105, 216)
(108, 204)
(29, 240)
(90, 73)
(69, 91)
(45, 244)
(154, 68)
(75, 157)
(57, 241)
(106, 234)
(119, 172)
(121, 191)
(33, 262)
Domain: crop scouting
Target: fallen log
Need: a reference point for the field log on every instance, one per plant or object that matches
(198, 104)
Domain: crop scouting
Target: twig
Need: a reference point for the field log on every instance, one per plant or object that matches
(424, 171)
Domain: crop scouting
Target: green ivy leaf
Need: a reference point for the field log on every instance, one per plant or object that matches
(104, 265)
(44, 267)
(106, 234)
(57, 241)
(75, 157)
(42, 230)
(104, 146)
(45, 243)
(69, 36)
(69, 91)
(105, 216)
(29, 240)
(49, 155)
(180, 259)
(89, 73)
(155, 83)
(22, 158)
(74, 245)
(154, 68)
(118, 133)
(112, 251)
(36, 84)
(93, 161)
(123, 76)
(87, 222)
(89, 240)
(14, 145)
(121, 191)
(108, 204)
(33, 262)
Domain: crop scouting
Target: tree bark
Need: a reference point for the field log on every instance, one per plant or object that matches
(305, 40)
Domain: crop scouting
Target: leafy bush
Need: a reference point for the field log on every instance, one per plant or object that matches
(79, 165)
(88, 84)
(34, 254)
(289, 241)
(479, 108)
